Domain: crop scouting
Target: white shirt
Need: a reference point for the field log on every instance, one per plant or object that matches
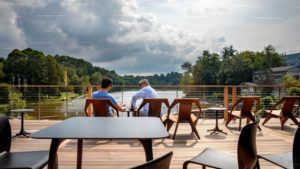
(145, 92)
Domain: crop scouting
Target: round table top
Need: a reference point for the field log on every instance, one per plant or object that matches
(21, 110)
(217, 108)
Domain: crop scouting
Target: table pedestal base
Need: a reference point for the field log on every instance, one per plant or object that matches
(215, 130)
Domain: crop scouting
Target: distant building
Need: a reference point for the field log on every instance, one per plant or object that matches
(278, 73)
(292, 59)
(248, 88)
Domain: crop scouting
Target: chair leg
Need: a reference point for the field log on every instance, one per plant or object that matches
(240, 125)
(269, 116)
(257, 164)
(230, 117)
(194, 129)
(294, 120)
(282, 121)
(185, 164)
(248, 120)
(175, 129)
(169, 124)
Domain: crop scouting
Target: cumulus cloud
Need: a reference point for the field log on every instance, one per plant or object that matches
(114, 34)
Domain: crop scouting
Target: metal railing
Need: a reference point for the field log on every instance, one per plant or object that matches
(60, 101)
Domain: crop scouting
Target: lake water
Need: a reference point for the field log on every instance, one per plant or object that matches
(75, 107)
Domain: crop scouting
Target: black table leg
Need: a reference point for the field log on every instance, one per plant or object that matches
(52, 163)
(79, 153)
(147, 144)
(217, 129)
(22, 131)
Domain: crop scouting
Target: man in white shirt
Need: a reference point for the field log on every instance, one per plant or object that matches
(146, 92)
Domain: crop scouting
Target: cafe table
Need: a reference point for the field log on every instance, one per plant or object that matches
(217, 129)
(143, 129)
(22, 130)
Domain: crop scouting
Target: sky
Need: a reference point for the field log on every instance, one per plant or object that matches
(143, 37)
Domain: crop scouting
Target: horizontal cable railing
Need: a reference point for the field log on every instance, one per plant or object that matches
(60, 101)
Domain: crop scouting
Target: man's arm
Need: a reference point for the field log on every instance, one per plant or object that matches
(140, 94)
(114, 102)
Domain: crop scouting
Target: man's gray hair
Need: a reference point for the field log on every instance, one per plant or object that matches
(144, 81)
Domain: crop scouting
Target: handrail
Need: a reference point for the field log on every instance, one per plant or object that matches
(227, 94)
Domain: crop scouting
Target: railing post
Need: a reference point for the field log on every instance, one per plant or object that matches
(233, 96)
(279, 92)
(225, 102)
(122, 93)
(177, 95)
(67, 108)
(90, 90)
(39, 102)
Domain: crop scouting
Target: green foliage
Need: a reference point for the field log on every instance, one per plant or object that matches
(2, 75)
(206, 69)
(15, 100)
(233, 68)
(4, 93)
(81, 66)
(267, 102)
(31, 67)
(187, 66)
(292, 85)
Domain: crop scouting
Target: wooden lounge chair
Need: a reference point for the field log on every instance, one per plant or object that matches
(30, 160)
(248, 102)
(286, 111)
(246, 157)
(288, 160)
(184, 114)
(100, 107)
(162, 162)
(155, 105)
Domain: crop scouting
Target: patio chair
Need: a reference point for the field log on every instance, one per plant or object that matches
(246, 157)
(286, 111)
(162, 162)
(155, 105)
(100, 107)
(248, 102)
(32, 159)
(184, 114)
(288, 160)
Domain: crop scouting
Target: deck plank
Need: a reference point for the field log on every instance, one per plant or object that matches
(125, 153)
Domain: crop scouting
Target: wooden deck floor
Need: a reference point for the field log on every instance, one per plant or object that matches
(125, 154)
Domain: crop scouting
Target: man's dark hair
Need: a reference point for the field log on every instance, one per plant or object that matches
(106, 82)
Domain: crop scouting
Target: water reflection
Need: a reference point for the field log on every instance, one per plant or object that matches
(75, 107)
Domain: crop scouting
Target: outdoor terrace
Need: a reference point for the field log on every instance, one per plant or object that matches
(125, 154)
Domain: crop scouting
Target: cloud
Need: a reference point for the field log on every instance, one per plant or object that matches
(115, 34)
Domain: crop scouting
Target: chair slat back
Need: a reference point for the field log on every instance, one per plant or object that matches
(5, 134)
(185, 107)
(288, 105)
(100, 107)
(155, 105)
(296, 149)
(248, 103)
(247, 152)
(162, 162)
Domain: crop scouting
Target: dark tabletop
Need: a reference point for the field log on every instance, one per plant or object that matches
(105, 128)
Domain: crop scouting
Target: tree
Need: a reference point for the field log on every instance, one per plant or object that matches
(187, 66)
(2, 75)
(292, 85)
(228, 52)
(206, 69)
(95, 78)
(15, 66)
